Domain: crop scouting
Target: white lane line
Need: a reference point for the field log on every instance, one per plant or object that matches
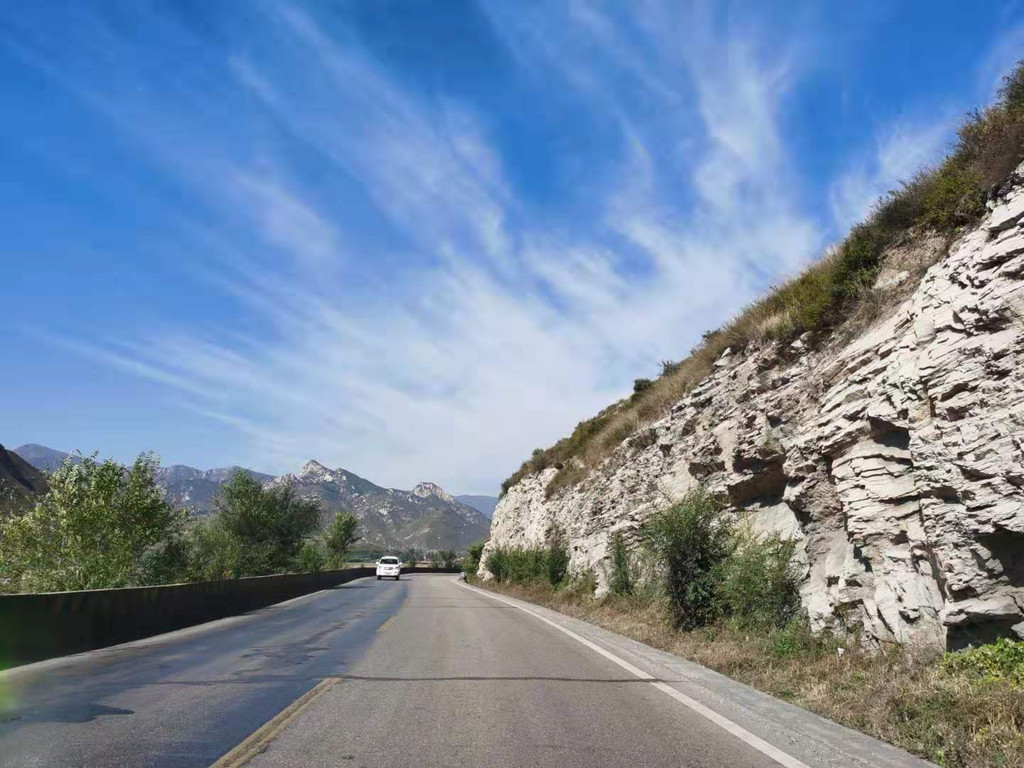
(738, 731)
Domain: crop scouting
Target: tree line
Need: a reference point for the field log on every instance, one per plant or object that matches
(105, 525)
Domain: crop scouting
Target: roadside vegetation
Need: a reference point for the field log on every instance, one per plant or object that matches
(104, 525)
(838, 288)
(696, 582)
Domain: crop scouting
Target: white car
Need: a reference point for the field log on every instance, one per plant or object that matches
(390, 567)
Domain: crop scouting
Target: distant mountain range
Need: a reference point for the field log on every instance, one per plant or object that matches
(485, 504)
(426, 517)
(41, 457)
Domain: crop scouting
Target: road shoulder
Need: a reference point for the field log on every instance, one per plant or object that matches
(807, 737)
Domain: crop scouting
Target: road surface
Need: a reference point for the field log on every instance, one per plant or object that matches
(420, 672)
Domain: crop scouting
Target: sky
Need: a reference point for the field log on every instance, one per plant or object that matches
(419, 239)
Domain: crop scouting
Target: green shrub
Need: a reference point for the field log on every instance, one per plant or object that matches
(497, 564)
(621, 581)
(262, 529)
(690, 542)
(312, 557)
(641, 385)
(447, 558)
(518, 566)
(557, 559)
(795, 638)
(954, 195)
(759, 587)
(474, 551)
(583, 584)
(1001, 660)
(568, 476)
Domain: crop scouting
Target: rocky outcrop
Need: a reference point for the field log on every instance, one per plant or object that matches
(895, 458)
(427, 517)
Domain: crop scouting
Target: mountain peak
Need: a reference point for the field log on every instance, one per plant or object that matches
(423, 490)
(314, 470)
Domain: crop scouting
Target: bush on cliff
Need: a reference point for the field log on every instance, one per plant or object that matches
(690, 542)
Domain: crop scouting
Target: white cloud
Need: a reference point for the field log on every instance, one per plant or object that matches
(492, 335)
(900, 151)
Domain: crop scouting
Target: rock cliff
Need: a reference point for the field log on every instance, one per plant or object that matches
(894, 454)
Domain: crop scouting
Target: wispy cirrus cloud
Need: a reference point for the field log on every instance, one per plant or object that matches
(492, 334)
(900, 151)
(393, 297)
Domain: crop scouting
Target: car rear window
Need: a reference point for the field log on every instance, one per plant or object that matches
(389, 560)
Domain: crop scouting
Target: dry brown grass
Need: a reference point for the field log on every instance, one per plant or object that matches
(898, 695)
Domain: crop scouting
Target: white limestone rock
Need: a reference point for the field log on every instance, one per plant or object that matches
(895, 459)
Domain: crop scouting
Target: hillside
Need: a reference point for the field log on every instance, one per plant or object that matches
(872, 409)
(426, 517)
(19, 481)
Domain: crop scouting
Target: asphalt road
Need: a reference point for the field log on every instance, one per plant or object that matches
(420, 672)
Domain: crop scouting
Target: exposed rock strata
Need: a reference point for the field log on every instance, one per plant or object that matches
(896, 459)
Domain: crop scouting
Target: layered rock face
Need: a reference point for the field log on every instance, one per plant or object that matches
(896, 459)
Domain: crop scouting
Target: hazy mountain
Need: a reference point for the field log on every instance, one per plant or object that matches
(484, 504)
(19, 481)
(183, 486)
(41, 457)
(195, 488)
(426, 517)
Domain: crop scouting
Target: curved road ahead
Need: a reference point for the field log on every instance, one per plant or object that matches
(420, 672)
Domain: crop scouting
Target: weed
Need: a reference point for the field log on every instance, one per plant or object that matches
(621, 581)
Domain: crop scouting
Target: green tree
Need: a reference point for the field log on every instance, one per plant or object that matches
(100, 525)
(257, 530)
(447, 558)
(213, 553)
(411, 556)
(340, 536)
(312, 558)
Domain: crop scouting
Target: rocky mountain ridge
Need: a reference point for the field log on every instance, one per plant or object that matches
(427, 517)
(895, 458)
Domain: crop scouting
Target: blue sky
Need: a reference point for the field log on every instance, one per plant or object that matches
(419, 239)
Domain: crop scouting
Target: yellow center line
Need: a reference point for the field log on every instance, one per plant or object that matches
(260, 739)
(386, 624)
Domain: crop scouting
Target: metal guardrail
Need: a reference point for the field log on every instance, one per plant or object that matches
(44, 625)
